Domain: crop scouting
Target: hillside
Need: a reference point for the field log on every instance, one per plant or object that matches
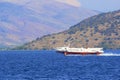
(98, 31)
(23, 22)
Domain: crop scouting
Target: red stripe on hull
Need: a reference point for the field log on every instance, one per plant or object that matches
(81, 53)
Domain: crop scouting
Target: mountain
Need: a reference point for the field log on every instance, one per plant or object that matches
(21, 23)
(102, 30)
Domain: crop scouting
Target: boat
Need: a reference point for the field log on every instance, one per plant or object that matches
(82, 51)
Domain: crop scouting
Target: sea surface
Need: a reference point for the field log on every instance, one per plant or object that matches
(49, 65)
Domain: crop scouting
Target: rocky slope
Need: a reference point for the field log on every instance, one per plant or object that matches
(98, 31)
(20, 23)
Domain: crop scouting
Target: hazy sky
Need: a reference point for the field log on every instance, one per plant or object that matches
(99, 5)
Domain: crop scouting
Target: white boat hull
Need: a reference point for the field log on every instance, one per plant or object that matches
(82, 51)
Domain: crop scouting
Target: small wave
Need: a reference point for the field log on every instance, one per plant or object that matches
(109, 54)
(104, 54)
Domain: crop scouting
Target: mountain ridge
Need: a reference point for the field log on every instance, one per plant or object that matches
(102, 30)
(21, 23)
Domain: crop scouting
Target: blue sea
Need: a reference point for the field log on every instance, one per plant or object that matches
(49, 65)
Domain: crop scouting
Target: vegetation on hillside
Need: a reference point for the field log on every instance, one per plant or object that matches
(98, 31)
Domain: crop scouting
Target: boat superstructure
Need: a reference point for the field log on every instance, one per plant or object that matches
(83, 51)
